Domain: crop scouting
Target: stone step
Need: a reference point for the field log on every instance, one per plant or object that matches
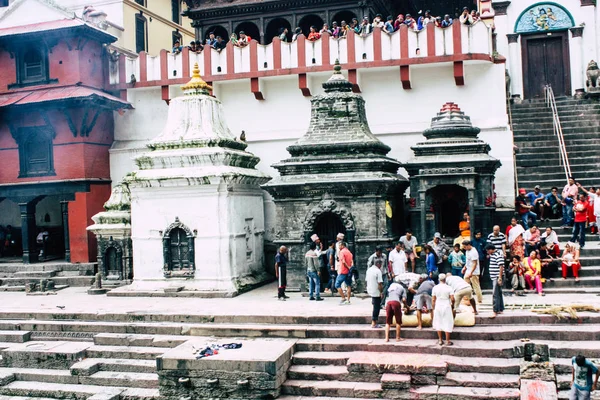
(35, 274)
(131, 352)
(120, 339)
(320, 358)
(477, 379)
(78, 281)
(526, 181)
(90, 366)
(460, 393)
(21, 288)
(2, 397)
(121, 379)
(318, 372)
(15, 336)
(57, 390)
(82, 268)
(530, 167)
(42, 375)
(332, 388)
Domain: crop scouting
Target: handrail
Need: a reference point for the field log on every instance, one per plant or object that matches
(551, 102)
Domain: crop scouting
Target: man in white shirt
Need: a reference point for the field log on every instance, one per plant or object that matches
(471, 270)
(398, 260)
(461, 290)
(374, 280)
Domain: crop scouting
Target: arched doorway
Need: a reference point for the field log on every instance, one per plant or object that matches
(112, 266)
(310, 20)
(545, 49)
(179, 248)
(273, 28)
(342, 16)
(327, 227)
(218, 30)
(249, 29)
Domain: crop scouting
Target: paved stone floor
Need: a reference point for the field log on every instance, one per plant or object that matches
(261, 301)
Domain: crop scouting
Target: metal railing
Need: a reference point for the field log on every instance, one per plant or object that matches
(564, 157)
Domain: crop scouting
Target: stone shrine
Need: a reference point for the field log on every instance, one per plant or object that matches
(196, 204)
(451, 173)
(338, 180)
(113, 233)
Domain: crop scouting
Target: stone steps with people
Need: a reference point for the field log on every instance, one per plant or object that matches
(115, 355)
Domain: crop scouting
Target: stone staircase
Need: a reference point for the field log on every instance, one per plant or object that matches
(538, 157)
(14, 276)
(112, 356)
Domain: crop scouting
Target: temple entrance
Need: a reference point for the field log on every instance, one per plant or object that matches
(546, 62)
(447, 204)
(327, 227)
(112, 264)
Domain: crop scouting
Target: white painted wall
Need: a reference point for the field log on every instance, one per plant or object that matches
(396, 116)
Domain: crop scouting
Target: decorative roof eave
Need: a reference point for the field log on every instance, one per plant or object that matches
(93, 100)
(202, 13)
(83, 30)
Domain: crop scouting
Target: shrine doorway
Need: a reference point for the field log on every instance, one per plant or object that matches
(327, 227)
(448, 203)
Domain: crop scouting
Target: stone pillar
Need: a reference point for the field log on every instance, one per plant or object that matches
(64, 207)
(516, 72)
(502, 26)
(577, 64)
(28, 233)
(423, 206)
(472, 211)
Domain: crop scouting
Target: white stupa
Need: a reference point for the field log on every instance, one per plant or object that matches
(196, 204)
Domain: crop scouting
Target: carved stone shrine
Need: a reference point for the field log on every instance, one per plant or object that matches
(338, 180)
(451, 173)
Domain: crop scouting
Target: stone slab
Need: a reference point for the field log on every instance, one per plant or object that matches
(395, 381)
(463, 393)
(542, 371)
(50, 355)
(408, 363)
(260, 355)
(15, 336)
(538, 390)
(476, 379)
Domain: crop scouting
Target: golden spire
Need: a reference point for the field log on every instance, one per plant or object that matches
(196, 82)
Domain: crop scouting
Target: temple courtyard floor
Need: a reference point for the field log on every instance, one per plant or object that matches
(75, 346)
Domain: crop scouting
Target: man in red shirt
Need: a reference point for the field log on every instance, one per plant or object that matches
(344, 263)
(581, 211)
(523, 208)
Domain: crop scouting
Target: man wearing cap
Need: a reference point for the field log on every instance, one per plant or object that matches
(536, 199)
(423, 299)
(380, 259)
(523, 208)
(472, 270)
(441, 250)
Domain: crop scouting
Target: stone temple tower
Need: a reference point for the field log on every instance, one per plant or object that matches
(196, 204)
(338, 180)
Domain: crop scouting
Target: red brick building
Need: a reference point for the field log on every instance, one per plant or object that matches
(56, 127)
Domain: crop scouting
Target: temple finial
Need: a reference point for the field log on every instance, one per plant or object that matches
(196, 82)
(337, 68)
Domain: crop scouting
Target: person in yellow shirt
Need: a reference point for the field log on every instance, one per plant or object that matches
(533, 274)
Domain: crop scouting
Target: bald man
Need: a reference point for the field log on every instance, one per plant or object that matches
(281, 272)
(497, 239)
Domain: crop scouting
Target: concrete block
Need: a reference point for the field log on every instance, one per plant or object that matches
(538, 390)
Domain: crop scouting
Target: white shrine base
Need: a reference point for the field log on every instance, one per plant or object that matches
(227, 221)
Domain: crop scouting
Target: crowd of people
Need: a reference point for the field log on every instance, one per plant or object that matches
(520, 259)
(340, 30)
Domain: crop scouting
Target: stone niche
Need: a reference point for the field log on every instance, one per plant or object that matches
(113, 233)
(451, 173)
(196, 204)
(338, 180)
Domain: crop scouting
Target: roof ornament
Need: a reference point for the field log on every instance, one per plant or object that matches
(196, 85)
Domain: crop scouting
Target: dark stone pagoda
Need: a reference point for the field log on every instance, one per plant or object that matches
(338, 180)
(451, 173)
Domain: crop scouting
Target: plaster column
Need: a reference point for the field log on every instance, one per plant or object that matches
(28, 234)
(64, 207)
(502, 26)
(577, 64)
(516, 72)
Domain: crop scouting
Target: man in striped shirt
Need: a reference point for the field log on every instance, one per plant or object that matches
(496, 269)
(497, 239)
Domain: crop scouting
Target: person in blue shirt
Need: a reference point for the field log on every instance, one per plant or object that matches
(536, 200)
(553, 204)
(457, 260)
(582, 381)
(431, 263)
(479, 245)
